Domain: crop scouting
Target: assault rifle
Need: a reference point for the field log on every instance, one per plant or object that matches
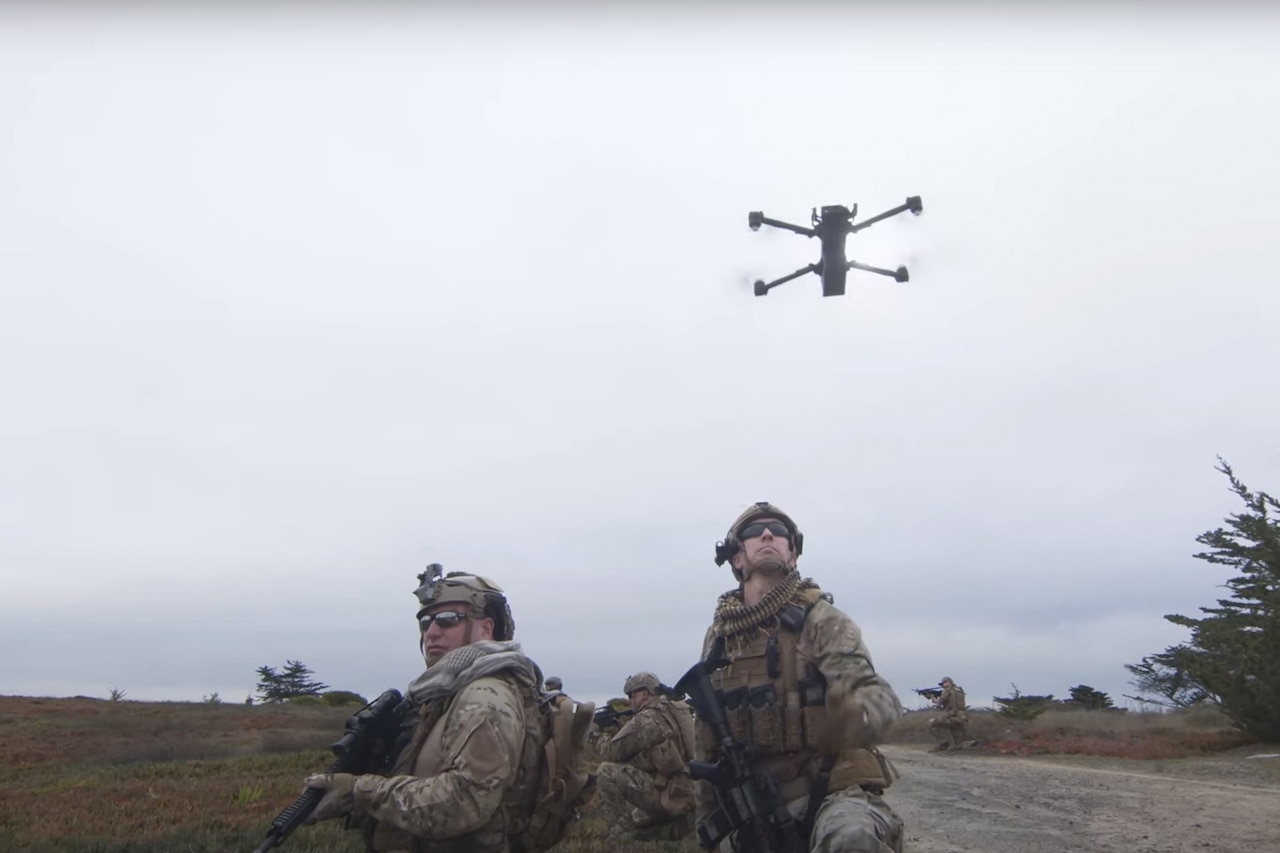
(747, 799)
(929, 692)
(368, 731)
(614, 713)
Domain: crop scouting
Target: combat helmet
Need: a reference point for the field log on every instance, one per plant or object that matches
(475, 591)
(641, 681)
(554, 683)
(726, 548)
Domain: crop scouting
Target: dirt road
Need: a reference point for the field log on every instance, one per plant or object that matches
(976, 803)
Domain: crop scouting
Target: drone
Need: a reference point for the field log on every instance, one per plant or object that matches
(832, 226)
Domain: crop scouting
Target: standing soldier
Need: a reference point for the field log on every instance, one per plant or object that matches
(799, 687)
(949, 729)
(467, 773)
(643, 782)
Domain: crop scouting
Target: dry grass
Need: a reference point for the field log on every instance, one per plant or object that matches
(1179, 734)
(91, 776)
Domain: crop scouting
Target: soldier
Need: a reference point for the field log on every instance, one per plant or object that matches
(949, 729)
(469, 770)
(643, 782)
(800, 687)
(554, 684)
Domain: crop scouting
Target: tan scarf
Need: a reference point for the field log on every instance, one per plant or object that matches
(435, 689)
(734, 618)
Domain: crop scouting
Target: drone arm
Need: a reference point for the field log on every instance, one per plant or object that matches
(900, 274)
(762, 288)
(757, 219)
(912, 204)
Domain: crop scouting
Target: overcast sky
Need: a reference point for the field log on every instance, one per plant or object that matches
(295, 304)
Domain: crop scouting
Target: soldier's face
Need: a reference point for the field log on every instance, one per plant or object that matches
(763, 549)
(438, 640)
(641, 699)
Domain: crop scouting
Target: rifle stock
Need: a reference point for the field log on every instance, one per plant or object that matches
(354, 751)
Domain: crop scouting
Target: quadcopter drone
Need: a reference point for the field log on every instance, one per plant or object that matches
(831, 227)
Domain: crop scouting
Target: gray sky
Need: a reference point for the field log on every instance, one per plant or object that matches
(296, 304)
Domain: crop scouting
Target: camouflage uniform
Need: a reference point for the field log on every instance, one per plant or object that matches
(466, 780)
(644, 781)
(950, 728)
(801, 688)
(555, 695)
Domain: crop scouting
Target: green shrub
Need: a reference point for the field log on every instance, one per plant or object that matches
(339, 698)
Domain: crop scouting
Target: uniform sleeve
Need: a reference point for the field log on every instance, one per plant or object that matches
(861, 705)
(482, 741)
(643, 731)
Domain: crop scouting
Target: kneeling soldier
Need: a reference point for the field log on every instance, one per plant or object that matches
(643, 782)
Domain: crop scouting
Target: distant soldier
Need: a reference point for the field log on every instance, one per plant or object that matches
(555, 692)
(644, 783)
(949, 728)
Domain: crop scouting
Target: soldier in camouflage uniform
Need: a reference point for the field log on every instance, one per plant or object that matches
(800, 687)
(643, 782)
(555, 694)
(467, 777)
(949, 728)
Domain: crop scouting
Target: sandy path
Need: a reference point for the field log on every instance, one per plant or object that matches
(967, 803)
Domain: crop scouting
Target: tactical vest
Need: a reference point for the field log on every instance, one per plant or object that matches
(956, 706)
(517, 802)
(779, 708)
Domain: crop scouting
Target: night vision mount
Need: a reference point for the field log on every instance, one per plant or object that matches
(832, 226)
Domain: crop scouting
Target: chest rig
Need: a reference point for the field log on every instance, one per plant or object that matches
(777, 702)
(769, 702)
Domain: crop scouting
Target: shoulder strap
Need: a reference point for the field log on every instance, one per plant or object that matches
(717, 648)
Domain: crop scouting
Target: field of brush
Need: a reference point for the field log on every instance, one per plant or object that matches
(96, 776)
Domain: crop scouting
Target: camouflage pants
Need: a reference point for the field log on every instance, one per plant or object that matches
(849, 821)
(856, 821)
(628, 797)
(949, 728)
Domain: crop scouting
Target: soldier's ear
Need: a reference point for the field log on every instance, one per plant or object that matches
(485, 627)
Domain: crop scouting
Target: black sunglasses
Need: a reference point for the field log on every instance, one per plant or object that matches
(777, 528)
(446, 619)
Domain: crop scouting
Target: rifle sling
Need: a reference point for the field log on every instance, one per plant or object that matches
(818, 791)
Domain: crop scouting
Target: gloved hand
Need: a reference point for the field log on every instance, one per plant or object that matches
(339, 798)
(862, 718)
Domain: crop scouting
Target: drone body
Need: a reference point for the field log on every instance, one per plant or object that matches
(832, 227)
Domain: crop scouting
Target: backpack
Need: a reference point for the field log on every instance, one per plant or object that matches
(564, 786)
